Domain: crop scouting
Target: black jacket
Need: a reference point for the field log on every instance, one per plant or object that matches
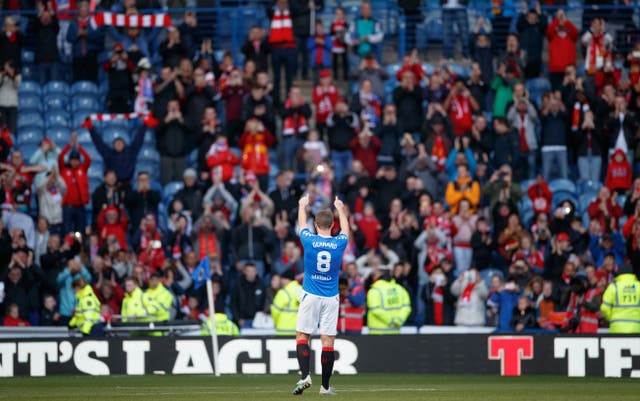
(261, 58)
(250, 242)
(532, 37)
(268, 119)
(191, 198)
(174, 139)
(46, 40)
(629, 126)
(247, 298)
(139, 204)
(527, 318)
(301, 16)
(196, 100)
(409, 106)
(341, 130)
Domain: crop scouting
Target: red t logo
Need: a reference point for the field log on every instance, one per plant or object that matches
(510, 350)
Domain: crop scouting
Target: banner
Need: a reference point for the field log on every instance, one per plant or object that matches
(574, 356)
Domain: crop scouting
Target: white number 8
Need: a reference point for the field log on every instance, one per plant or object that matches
(324, 261)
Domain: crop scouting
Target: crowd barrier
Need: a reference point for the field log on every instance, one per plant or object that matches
(506, 355)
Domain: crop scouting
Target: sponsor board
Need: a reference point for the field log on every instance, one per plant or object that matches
(574, 356)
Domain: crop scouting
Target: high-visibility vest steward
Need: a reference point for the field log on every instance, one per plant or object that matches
(224, 326)
(161, 300)
(284, 309)
(136, 307)
(621, 305)
(87, 312)
(388, 307)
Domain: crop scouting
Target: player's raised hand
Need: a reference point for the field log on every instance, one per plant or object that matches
(304, 201)
(339, 205)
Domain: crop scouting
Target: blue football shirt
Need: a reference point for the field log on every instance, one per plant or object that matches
(322, 262)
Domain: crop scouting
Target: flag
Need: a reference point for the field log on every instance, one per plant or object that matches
(201, 273)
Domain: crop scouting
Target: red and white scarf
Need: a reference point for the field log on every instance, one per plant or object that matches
(131, 21)
(575, 120)
(595, 53)
(295, 124)
(465, 298)
(113, 117)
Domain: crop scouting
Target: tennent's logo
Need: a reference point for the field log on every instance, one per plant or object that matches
(510, 350)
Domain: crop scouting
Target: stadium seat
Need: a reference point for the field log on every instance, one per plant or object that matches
(111, 133)
(428, 68)
(621, 199)
(87, 103)
(28, 71)
(59, 135)
(561, 196)
(29, 102)
(96, 170)
(55, 102)
(29, 87)
(459, 70)
(525, 204)
(561, 184)
(150, 138)
(28, 56)
(84, 88)
(28, 150)
(589, 186)
(78, 117)
(84, 137)
(526, 217)
(392, 69)
(29, 135)
(585, 199)
(171, 189)
(526, 184)
(149, 154)
(94, 183)
(95, 156)
(56, 87)
(536, 88)
(57, 119)
(30, 119)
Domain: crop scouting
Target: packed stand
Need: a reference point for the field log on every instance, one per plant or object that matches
(497, 191)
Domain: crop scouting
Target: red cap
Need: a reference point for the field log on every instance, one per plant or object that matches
(563, 237)
(47, 140)
(325, 73)
(118, 46)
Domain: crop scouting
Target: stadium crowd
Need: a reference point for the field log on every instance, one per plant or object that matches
(503, 194)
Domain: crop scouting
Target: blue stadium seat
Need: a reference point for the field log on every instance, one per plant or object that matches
(148, 167)
(589, 186)
(85, 103)
(169, 190)
(28, 56)
(56, 87)
(561, 196)
(111, 133)
(28, 150)
(536, 88)
(79, 116)
(392, 69)
(585, 199)
(28, 71)
(561, 184)
(95, 156)
(428, 68)
(96, 170)
(150, 138)
(621, 199)
(30, 119)
(29, 87)
(149, 154)
(57, 119)
(525, 204)
(84, 88)
(55, 101)
(29, 102)
(94, 183)
(29, 135)
(525, 184)
(459, 70)
(121, 124)
(84, 137)
(59, 135)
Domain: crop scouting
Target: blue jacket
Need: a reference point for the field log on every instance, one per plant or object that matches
(124, 163)
(506, 301)
(451, 168)
(326, 51)
(94, 41)
(68, 298)
(598, 253)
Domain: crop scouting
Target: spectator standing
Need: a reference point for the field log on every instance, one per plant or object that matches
(120, 70)
(142, 201)
(198, 97)
(255, 144)
(562, 36)
(619, 173)
(110, 192)
(524, 316)
(503, 84)
(87, 42)
(505, 144)
(190, 195)
(248, 296)
(523, 117)
(325, 97)
(365, 148)
(461, 105)
(597, 43)
(531, 27)
(302, 15)
(73, 271)
(257, 48)
(11, 42)
(505, 299)
(408, 100)
(233, 95)
(454, 12)
(370, 70)
(295, 123)
(606, 210)
(464, 224)
(283, 47)
(46, 51)
(173, 49)
(622, 126)
(554, 137)
(339, 29)
(472, 293)
(74, 173)
(10, 80)
(365, 34)
(174, 141)
(258, 104)
(319, 51)
(589, 152)
(166, 88)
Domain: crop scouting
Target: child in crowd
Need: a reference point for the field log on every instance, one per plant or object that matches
(221, 160)
(619, 175)
(315, 150)
(325, 97)
(12, 318)
(524, 316)
(49, 316)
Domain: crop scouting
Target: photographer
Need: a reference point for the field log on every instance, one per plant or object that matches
(120, 70)
(461, 105)
(10, 80)
(501, 188)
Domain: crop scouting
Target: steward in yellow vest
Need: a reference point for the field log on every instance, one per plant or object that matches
(284, 309)
(621, 303)
(136, 306)
(224, 326)
(388, 306)
(87, 311)
(160, 297)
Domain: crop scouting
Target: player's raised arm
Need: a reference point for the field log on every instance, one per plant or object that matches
(302, 212)
(342, 214)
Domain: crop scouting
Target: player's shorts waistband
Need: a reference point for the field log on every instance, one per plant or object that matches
(307, 293)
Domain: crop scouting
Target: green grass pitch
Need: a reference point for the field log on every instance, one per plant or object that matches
(388, 387)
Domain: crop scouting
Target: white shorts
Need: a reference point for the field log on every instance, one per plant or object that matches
(317, 312)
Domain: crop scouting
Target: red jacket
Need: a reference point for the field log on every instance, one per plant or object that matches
(222, 160)
(150, 255)
(370, 228)
(14, 322)
(325, 101)
(562, 45)
(255, 151)
(619, 175)
(75, 178)
(368, 156)
(540, 196)
(613, 209)
(415, 68)
(116, 298)
(117, 229)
